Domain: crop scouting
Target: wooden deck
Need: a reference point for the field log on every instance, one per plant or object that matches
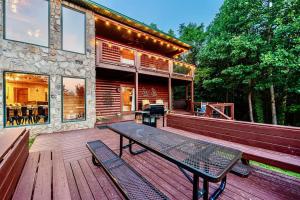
(85, 181)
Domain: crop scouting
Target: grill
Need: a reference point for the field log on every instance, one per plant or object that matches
(154, 112)
(156, 109)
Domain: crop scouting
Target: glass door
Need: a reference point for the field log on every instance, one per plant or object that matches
(127, 99)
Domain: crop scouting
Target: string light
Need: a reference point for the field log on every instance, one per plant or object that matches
(169, 45)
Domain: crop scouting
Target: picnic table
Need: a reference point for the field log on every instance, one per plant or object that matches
(203, 159)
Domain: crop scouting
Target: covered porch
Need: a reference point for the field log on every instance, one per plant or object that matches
(120, 93)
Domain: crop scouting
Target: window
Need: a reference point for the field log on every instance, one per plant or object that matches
(27, 21)
(73, 31)
(127, 56)
(73, 99)
(127, 99)
(26, 99)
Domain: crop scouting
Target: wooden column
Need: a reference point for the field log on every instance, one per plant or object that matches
(136, 83)
(192, 95)
(170, 93)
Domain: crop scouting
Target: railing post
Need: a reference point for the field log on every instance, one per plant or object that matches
(170, 93)
(171, 67)
(192, 94)
(136, 91)
(232, 111)
(137, 60)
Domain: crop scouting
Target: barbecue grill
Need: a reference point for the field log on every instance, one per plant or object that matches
(153, 112)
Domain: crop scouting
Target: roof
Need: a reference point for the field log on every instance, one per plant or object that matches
(121, 18)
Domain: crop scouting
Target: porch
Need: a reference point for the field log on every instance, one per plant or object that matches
(120, 93)
(85, 181)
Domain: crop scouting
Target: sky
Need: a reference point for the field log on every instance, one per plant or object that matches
(167, 14)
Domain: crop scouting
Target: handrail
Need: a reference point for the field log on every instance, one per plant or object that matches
(218, 111)
(141, 51)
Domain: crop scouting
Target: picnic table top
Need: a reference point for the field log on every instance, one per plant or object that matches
(208, 160)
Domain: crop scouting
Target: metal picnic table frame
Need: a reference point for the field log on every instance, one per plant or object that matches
(191, 163)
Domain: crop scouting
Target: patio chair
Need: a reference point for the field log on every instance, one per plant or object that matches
(145, 103)
(202, 110)
(159, 101)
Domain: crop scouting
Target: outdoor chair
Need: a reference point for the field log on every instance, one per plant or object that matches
(202, 110)
(145, 103)
(159, 101)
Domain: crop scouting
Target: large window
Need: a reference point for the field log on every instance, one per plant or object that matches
(27, 21)
(73, 99)
(73, 31)
(26, 99)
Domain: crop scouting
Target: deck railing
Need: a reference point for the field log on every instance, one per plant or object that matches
(112, 53)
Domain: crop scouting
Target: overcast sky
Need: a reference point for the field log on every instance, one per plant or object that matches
(166, 13)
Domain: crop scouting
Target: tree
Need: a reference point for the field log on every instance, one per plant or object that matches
(154, 26)
(171, 32)
(194, 35)
(252, 47)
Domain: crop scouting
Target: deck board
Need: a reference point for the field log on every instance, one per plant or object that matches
(86, 181)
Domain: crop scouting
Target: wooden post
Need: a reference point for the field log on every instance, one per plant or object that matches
(192, 96)
(136, 83)
(99, 52)
(232, 111)
(137, 60)
(170, 93)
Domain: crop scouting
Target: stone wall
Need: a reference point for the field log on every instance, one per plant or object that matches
(52, 61)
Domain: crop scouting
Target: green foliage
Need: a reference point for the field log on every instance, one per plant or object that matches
(181, 69)
(154, 26)
(251, 45)
(194, 35)
(171, 32)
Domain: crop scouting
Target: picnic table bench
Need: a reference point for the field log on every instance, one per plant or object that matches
(203, 159)
(129, 182)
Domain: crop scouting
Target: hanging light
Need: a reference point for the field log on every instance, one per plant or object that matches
(107, 23)
(139, 35)
(119, 27)
(129, 31)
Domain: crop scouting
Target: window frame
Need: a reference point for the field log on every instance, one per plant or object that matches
(4, 26)
(62, 99)
(62, 28)
(4, 99)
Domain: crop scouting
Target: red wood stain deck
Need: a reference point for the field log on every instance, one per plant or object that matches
(85, 181)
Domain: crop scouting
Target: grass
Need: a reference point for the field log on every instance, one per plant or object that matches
(31, 140)
(276, 169)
